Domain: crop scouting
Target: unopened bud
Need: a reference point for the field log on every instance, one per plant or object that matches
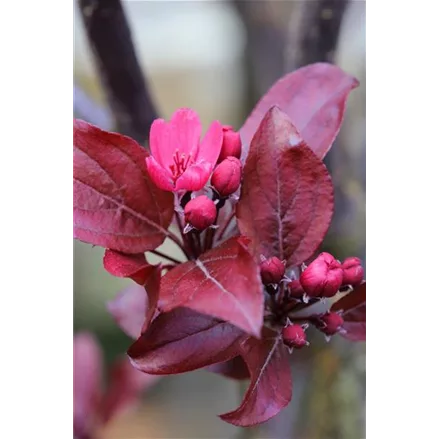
(295, 289)
(353, 273)
(227, 176)
(231, 144)
(294, 336)
(323, 277)
(200, 212)
(330, 323)
(272, 270)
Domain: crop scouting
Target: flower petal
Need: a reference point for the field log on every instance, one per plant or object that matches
(195, 176)
(160, 142)
(210, 147)
(159, 175)
(185, 132)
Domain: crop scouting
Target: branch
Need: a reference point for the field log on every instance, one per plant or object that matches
(313, 32)
(263, 57)
(110, 40)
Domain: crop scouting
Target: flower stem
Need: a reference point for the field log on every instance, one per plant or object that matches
(281, 295)
(197, 238)
(165, 256)
(226, 225)
(174, 238)
(188, 244)
(210, 233)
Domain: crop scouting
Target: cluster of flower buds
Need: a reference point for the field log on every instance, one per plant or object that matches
(330, 323)
(324, 277)
(201, 212)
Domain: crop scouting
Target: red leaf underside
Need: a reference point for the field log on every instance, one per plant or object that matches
(234, 368)
(152, 288)
(116, 205)
(134, 267)
(287, 200)
(224, 283)
(354, 313)
(184, 340)
(270, 388)
(314, 97)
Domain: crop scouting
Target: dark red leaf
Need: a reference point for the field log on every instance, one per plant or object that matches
(353, 306)
(314, 97)
(234, 368)
(116, 205)
(134, 267)
(287, 199)
(224, 282)
(152, 288)
(134, 307)
(270, 387)
(87, 369)
(184, 340)
(126, 384)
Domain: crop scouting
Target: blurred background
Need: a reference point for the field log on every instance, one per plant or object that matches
(219, 58)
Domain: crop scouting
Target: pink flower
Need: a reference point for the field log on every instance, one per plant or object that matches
(179, 161)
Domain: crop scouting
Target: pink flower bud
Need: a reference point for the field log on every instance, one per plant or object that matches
(296, 290)
(231, 144)
(323, 277)
(330, 323)
(353, 273)
(294, 336)
(200, 212)
(227, 176)
(272, 270)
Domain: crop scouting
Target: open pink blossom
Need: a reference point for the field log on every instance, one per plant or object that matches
(179, 161)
